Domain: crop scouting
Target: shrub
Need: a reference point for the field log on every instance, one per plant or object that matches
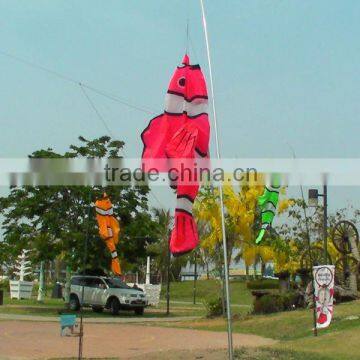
(263, 284)
(4, 285)
(272, 303)
(268, 304)
(290, 300)
(213, 307)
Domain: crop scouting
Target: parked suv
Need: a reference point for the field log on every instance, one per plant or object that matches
(101, 293)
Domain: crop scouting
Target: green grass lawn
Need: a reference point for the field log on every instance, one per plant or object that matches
(294, 330)
(289, 325)
(239, 354)
(275, 354)
(183, 291)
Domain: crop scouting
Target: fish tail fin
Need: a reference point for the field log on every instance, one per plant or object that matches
(184, 236)
(260, 236)
(115, 266)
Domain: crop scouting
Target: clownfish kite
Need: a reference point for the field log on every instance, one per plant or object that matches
(109, 229)
(182, 131)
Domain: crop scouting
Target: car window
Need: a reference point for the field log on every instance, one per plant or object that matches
(75, 281)
(97, 283)
(86, 282)
(116, 283)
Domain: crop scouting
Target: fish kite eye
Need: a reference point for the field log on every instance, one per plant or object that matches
(181, 82)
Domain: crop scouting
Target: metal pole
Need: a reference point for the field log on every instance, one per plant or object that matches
(195, 278)
(168, 281)
(81, 331)
(67, 285)
(325, 223)
(311, 263)
(81, 335)
(227, 290)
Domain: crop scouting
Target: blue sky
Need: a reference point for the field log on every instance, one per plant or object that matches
(284, 71)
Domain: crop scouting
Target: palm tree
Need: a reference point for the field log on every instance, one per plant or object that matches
(160, 248)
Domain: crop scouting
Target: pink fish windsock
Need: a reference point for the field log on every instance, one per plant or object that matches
(179, 134)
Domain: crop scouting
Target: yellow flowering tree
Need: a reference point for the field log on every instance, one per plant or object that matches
(242, 221)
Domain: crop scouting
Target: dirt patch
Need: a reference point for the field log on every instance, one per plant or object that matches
(185, 355)
(37, 340)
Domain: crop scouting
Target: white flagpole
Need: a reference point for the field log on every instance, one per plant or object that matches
(228, 309)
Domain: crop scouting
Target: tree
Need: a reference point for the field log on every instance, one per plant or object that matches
(240, 217)
(60, 220)
(291, 247)
(242, 221)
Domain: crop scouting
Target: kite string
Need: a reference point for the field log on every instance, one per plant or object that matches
(92, 105)
(117, 99)
(74, 81)
(187, 36)
(230, 340)
(187, 28)
(192, 47)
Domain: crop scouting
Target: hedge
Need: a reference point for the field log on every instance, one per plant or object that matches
(272, 303)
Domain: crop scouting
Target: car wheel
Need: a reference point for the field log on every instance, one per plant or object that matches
(139, 311)
(115, 306)
(74, 303)
(97, 309)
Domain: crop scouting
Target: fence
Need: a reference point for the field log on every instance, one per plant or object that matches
(139, 278)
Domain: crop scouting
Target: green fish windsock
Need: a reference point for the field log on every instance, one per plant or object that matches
(268, 203)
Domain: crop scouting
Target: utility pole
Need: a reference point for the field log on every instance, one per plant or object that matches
(86, 240)
(313, 201)
(325, 222)
(195, 277)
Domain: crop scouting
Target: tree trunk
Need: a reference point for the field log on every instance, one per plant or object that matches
(223, 293)
(41, 291)
(284, 281)
(263, 265)
(247, 272)
(49, 271)
(57, 269)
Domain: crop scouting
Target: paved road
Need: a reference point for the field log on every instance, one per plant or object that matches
(41, 340)
(99, 320)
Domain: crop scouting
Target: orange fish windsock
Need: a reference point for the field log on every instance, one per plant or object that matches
(109, 230)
